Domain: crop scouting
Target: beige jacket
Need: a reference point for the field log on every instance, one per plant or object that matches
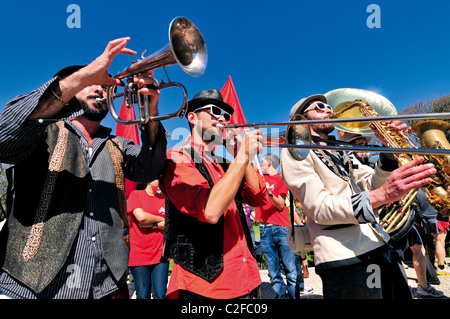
(327, 203)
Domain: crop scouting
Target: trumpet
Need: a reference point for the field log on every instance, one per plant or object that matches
(186, 48)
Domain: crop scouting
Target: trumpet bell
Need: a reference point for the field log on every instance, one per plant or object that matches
(340, 99)
(188, 46)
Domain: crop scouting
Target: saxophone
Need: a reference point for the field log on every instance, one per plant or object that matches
(398, 217)
(432, 135)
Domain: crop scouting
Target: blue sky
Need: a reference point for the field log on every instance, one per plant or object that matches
(275, 51)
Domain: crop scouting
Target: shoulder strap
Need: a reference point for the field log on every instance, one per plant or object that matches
(292, 209)
(116, 152)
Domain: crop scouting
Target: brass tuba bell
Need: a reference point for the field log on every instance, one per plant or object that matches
(341, 100)
(432, 135)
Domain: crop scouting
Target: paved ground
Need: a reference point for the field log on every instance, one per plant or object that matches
(315, 282)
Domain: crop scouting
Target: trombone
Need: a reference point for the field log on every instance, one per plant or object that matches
(296, 121)
(299, 139)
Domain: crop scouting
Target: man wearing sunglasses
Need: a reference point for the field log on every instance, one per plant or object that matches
(340, 197)
(206, 231)
(358, 140)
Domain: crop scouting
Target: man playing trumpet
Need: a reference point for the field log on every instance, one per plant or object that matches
(66, 231)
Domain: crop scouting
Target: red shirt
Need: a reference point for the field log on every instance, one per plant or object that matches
(189, 190)
(146, 244)
(269, 213)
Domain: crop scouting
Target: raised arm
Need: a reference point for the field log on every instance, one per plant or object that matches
(19, 130)
(57, 96)
(223, 193)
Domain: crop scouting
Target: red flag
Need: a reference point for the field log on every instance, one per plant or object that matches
(230, 96)
(129, 132)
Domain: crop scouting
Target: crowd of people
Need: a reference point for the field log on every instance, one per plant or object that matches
(71, 231)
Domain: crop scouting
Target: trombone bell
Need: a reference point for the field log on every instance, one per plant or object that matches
(296, 135)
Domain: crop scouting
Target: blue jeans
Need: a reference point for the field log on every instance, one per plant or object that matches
(277, 254)
(151, 278)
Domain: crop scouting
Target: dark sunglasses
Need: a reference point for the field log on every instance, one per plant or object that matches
(215, 111)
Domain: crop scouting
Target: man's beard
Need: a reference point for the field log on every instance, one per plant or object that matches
(323, 128)
(210, 135)
(326, 128)
(91, 114)
(213, 135)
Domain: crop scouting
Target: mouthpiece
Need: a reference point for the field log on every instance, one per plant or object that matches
(100, 100)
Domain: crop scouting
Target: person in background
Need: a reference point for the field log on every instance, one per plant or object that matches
(146, 208)
(413, 241)
(439, 243)
(273, 224)
(360, 140)
(440, 236)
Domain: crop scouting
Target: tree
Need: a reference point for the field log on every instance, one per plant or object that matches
(438, 105)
